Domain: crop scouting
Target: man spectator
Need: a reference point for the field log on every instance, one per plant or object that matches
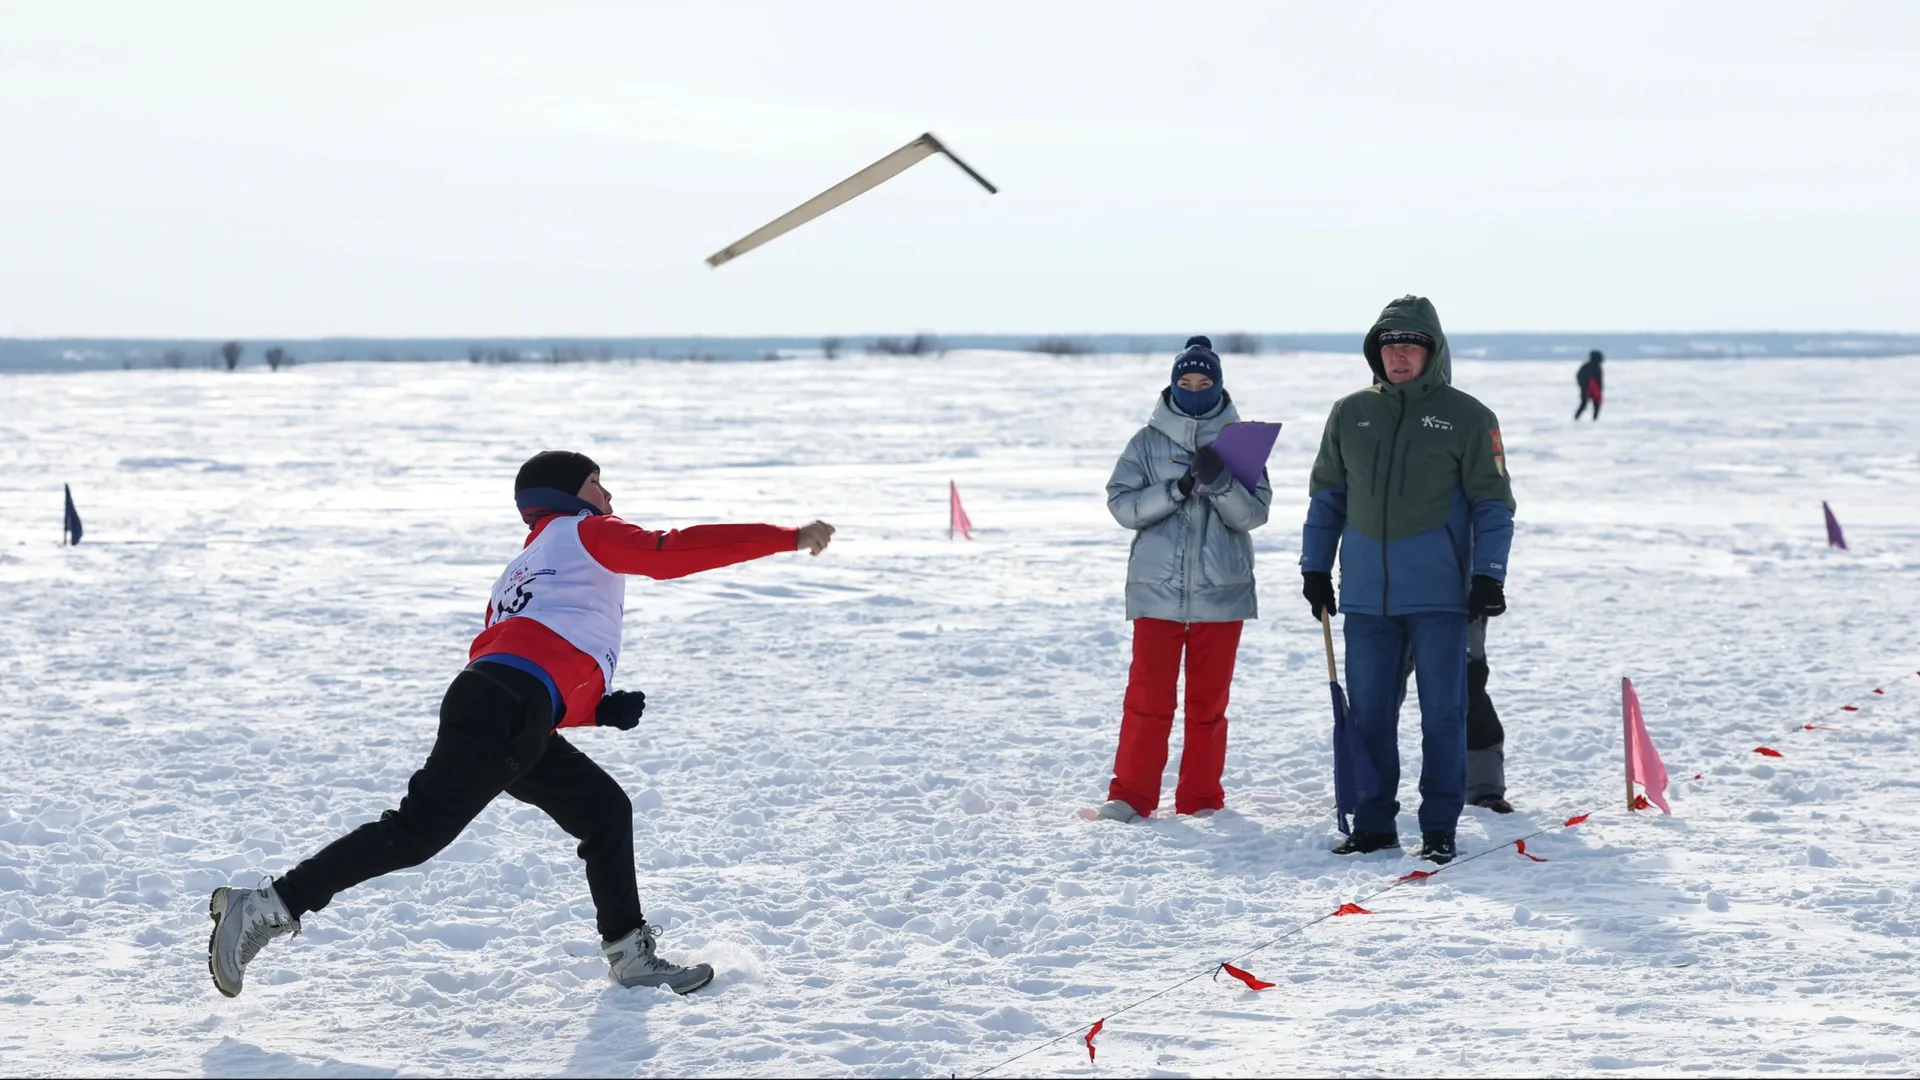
(1410, 489)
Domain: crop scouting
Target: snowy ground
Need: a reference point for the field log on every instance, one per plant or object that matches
(859, 780)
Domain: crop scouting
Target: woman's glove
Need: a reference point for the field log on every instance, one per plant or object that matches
(1207, 465)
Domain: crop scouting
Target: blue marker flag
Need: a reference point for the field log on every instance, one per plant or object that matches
(70, 532)
(1346, 794)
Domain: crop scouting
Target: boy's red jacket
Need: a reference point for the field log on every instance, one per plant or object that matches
(623, 548)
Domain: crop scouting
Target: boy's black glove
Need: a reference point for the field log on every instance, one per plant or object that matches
(1318, 589)
(620, 709)
(1486, 599)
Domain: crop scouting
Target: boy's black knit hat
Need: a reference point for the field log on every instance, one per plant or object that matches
(561, 470)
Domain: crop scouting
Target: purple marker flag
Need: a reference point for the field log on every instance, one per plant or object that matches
(1834, 538)
(1244, 447)
(70, 527)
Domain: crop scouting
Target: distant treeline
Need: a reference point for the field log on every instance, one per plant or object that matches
(93, 354)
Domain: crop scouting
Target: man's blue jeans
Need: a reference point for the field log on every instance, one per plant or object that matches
(1377, 650)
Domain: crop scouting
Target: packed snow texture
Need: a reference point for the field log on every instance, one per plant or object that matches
(858, 785)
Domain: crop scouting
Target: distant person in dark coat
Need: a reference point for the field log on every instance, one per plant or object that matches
(1589, 378)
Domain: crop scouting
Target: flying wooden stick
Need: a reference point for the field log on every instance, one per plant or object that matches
(859, 183)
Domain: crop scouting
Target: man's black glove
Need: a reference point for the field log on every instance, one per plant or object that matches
(1184, 485)
(1486, 599)
(1317, 587)
(1207, 465)
(620, 709)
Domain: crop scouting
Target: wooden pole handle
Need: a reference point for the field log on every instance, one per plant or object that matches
(1326, 633)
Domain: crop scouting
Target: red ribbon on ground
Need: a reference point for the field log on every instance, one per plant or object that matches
(1522, 845)
(1819, 727)
(1417, 875)
(1246, 977)
(1878, 690)
(1091, 1032)
(1767, 751)
(1699, 776)
(1577, 819)
(1351, 909)
(1640, 801)
(1849, 708)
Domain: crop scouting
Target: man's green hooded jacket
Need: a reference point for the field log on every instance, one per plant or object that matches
(1410, 485)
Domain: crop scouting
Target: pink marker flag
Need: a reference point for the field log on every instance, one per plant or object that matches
(1834, 537)
(957, 520)
(1643, 761)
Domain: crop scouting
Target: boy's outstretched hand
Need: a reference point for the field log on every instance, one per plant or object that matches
(815, 537)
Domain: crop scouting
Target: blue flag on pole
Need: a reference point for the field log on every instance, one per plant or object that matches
(70, 533)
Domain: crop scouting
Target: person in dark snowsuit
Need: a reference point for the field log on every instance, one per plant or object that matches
(1410, 489)
(1486, 738)
(1590, 379)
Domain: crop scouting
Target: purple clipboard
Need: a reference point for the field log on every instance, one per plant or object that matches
(1245, 446)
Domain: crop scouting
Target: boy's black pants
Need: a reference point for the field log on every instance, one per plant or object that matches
(496, 734)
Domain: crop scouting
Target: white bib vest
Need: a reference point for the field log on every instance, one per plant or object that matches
(557, 584)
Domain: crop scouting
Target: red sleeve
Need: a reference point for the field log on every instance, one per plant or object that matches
(626, 548)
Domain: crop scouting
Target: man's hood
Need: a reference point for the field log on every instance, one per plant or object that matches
(1190, 433)
(1412, 313)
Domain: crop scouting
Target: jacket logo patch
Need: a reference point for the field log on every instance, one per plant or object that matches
(1498, 448)
(1364, 423)
(1436, 423)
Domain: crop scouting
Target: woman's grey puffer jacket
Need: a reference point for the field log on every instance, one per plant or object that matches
(1192, 559)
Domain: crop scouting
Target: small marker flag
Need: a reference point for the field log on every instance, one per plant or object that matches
(70, 529)
(1346, 759)
(957, 520)
(1522, 845)
(1246, 977)
(1767, 751)
(1834, 537)
(1351, 909)
(1575, 820)
(1644, 766)
(1091, 1032)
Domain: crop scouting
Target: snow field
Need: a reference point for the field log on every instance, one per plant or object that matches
(857, 785)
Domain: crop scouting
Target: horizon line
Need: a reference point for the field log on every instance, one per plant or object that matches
(844, 336)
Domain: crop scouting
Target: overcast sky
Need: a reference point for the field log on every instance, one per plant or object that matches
(468, 169)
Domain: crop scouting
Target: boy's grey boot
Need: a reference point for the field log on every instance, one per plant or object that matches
(632, 962)
(244, 920)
